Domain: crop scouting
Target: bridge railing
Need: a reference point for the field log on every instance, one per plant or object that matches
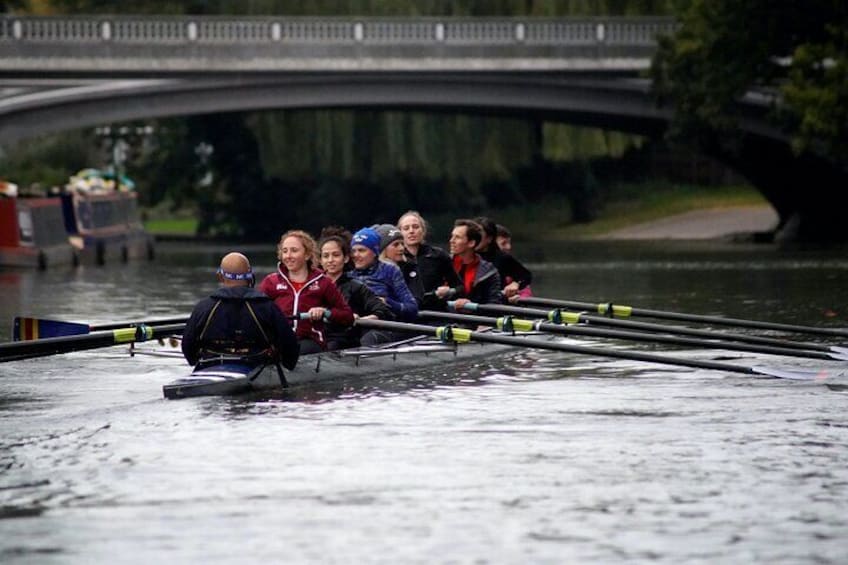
(220, 29)
(180, 43)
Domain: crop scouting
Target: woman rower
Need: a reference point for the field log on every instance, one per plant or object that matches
(438, 279)
(335, 254)
(298, 287)
(392, 251)
(384, 279)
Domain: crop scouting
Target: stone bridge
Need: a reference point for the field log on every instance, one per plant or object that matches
(71, 72)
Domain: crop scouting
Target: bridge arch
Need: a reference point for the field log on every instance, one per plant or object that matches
(619, 104)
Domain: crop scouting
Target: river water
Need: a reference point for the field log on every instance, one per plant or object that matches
(532, 456)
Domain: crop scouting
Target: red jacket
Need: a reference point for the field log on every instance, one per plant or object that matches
(318, 291)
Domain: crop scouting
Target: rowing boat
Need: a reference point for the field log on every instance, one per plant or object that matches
(230, 376)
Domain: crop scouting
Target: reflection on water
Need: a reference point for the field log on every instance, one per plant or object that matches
(534, 456)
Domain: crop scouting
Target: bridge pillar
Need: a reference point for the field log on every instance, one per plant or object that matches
(807, 191)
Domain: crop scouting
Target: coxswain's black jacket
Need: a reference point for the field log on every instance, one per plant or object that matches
(239, 321)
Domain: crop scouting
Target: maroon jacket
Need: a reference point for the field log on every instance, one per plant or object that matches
(318, 291)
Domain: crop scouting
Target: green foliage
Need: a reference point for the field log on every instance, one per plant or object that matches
(816, 96)
(726, 48)
(48, 161)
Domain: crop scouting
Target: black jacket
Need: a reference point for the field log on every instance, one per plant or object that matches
(509, 268)
(435, 269)
(232, 330)
(486, 288)
(412, 279)
(363, 302)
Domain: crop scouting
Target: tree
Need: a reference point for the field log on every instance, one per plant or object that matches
(796, 50)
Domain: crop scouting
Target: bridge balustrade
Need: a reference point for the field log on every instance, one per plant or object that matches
(217, 30)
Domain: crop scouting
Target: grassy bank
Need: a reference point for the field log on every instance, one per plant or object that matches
(628, 205)
(551, 217)
(185, 227)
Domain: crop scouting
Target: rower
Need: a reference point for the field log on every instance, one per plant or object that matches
(480, 279)
(514, 275)
(504, 241)
(392, 251)
(384, 279)
(335, 254)
(434, 265)
(237, 321)
(298, 287)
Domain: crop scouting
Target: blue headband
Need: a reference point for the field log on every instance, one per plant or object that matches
(248, 276)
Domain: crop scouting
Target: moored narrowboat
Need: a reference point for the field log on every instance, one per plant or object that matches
(90, 223)
(32, 233)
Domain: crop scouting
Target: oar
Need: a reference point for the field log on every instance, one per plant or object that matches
(559, 316)
(460, 335)
(16, 350)
(510, 324)
(25, 329)
(621, 311)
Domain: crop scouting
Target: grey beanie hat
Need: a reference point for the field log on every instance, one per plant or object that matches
(388, 234)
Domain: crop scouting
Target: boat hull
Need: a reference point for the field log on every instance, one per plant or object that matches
(235, 378)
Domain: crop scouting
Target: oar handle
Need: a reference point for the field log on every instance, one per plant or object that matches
(305, 316)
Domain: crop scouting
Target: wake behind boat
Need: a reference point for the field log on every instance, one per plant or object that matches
(232, 376)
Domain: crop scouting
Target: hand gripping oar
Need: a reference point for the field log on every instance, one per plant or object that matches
(621, 311)
(558, 316)
(460, 335)
(24, 329)
(510, 324)
(16, 350)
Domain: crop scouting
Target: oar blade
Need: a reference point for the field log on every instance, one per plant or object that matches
(26, 329)
(796, 374)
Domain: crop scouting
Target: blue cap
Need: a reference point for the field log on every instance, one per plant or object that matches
(369, 238)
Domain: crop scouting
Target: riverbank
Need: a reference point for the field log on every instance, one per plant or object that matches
(710, 223)
(648, 211)
(638, 211)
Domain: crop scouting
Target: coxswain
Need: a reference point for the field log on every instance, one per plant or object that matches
(335, 254)
(299, 288)
(480, 279)
(237, 321)
(439, 281)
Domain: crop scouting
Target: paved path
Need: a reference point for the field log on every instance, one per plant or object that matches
(702, 224)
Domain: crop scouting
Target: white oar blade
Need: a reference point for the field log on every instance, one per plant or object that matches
(797, 375)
